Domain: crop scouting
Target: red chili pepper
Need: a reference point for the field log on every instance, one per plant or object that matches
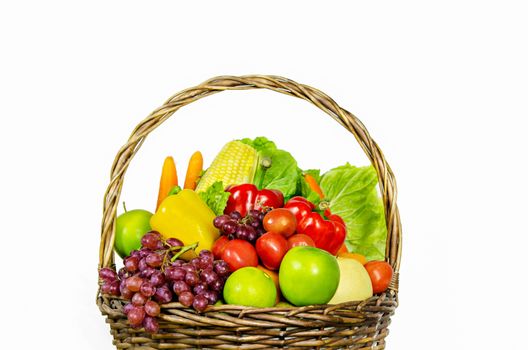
(247, 196)
(326, 234)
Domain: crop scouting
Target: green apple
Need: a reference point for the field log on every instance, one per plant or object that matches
(130, 228)
(308, 276)
(354, 283)
(250, 286)
(283, 304)
(219, 302)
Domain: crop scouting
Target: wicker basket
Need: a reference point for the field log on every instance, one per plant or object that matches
(352, 325)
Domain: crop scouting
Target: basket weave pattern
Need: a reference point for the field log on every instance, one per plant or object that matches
(352, 325)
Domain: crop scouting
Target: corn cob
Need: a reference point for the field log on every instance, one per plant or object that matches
(235, 164)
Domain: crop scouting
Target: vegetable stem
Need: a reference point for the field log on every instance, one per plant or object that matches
(323, 205)
(265, 163)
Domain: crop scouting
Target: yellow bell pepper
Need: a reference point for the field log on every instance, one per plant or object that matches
(186, 216)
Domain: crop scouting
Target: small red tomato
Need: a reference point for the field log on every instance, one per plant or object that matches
(380, 273)
(280, 221)
(271, 248)
(300, 239)
(218, 246)
(238, 253)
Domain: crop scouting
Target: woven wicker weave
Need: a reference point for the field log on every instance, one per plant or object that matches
(353, 325)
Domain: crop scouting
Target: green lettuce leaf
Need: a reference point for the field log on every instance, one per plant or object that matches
(352, 194)
(277, 169)
(260, 143)
(282, 175)
(215, 197)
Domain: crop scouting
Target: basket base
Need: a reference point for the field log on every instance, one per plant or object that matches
(354, 325)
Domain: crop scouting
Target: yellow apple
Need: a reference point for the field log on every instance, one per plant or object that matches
(354, 282)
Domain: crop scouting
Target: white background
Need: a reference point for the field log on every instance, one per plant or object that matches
(442, 87)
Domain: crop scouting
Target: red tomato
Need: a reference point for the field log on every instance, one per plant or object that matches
(218, 246)
(380, 273)
(281, 221)
(271, 248)
(238, 253)
(300, 239)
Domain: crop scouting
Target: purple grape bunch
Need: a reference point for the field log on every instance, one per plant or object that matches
(248, 228)
(153, 275)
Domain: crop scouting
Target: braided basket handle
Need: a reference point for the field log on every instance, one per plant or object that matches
(350, 122)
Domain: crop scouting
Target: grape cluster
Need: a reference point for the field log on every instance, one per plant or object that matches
(248, 228)
(154, 275)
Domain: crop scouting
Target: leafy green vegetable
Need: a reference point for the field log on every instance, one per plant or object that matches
(277, 168)
(282, 175)
(305, 190)
(260, 143)
(352, 194)
(215, 197)
(175, 190)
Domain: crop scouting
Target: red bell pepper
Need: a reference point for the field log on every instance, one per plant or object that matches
(246, 197)
(327, 234)
(334, 217)
(300, 207)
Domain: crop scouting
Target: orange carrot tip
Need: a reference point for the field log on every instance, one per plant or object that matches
(194, 170)
(168, 179)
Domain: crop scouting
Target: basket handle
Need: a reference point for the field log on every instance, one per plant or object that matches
(350, 122)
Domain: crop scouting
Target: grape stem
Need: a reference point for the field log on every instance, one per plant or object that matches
(181, 251)
(184, 249)
(246, 219)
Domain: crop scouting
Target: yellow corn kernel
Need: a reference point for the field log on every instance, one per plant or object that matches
(235, 164)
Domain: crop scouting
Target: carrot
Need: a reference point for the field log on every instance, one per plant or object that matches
(360, 258)
(193, 170)
(168, 179)
(313, 185)
(343, 249)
